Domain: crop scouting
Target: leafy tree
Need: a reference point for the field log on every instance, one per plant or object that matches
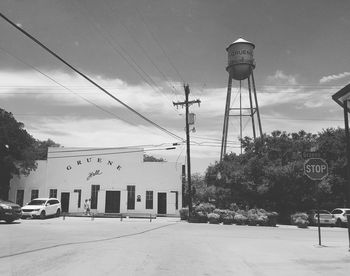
(150, 158)
(270, 173)
(41, 148)
(18, 150)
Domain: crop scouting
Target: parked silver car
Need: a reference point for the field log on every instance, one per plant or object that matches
(340, 215)
(42, 207)
(326, 218)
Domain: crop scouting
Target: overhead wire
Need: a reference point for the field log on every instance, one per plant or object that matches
(172, 87)
(89, 79)
(65, 87)
(159, 44)
(121, 51)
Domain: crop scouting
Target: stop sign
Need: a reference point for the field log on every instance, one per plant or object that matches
(316, 168)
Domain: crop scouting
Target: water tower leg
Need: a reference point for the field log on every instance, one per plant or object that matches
(240, 114)
(257, 106)
(251, 107)
(226, 118)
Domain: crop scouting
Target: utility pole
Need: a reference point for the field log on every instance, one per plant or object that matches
(188, 103)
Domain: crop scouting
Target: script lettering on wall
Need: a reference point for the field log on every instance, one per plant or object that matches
(97, 172)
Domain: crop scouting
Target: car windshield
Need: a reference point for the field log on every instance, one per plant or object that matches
(323, 212)
(37, 202)
(347, 212)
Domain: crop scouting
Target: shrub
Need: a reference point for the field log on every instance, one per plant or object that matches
(214, 218)
(252, 218)
(300, 220)
(228, 218)
(240, 219)
(198, 217)
(184, 213)
(205, 208)
(272, 218)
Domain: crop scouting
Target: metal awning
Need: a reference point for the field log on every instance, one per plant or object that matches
(342, 96)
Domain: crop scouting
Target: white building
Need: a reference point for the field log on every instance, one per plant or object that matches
(116, 179)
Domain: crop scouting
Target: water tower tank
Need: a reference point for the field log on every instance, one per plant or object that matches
(240, 59)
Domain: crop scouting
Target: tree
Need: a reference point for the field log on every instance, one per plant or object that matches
(269, 174)
(150, 158)
(17, 151)
(41, 148)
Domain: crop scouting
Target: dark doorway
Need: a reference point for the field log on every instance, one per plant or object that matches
(65, 202)
(161, 203)
(112, 202)
(20, 197)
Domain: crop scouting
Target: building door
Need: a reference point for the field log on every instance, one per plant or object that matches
(161, 203)
(20, 197)
(112, 202)
(65, 202)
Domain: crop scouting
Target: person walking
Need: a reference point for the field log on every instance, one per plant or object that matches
(87, 207)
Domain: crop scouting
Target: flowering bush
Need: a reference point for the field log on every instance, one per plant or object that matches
(214, 218)
(300, 220)
(240, 219)
(198, 217)
(205, 208)
(228, 218)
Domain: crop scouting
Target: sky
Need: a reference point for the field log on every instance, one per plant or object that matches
(143, 52)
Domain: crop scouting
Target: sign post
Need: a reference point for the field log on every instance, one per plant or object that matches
(316, 169)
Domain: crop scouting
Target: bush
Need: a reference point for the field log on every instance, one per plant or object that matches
(214, 218)
(184, 213)
(240, 219)
(300, 220)
(272, 218)
(198, 217)
(252, 218)
(205, 208)
(228, 218)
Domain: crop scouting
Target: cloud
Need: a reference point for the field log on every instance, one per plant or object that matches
(281, 78)
(329, 78)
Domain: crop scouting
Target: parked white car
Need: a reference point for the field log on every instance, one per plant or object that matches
(340, 216)
(326, 218)
(42, 207)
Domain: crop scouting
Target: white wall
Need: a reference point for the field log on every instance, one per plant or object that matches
(36, 180)
(68, 169)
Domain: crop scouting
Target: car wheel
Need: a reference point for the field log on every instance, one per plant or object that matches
(58, 213)
(42, 215)
(338, 223)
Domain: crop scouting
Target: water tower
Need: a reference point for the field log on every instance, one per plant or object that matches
(240, 66)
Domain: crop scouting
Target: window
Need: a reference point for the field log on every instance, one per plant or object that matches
(79, 196)
(131, 197)
(19, 197)
(94, 196)
(53, 193)
(149, 199)
(34, 194)
(176, 199)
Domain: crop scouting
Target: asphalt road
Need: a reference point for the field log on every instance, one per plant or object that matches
(107, 246)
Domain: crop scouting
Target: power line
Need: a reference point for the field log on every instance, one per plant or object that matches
(65, 87)
(159, 45)
(124, 54)
(89, 79)
(146, 53)
(100, 154)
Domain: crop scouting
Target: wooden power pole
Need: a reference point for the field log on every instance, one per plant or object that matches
(188, 103)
